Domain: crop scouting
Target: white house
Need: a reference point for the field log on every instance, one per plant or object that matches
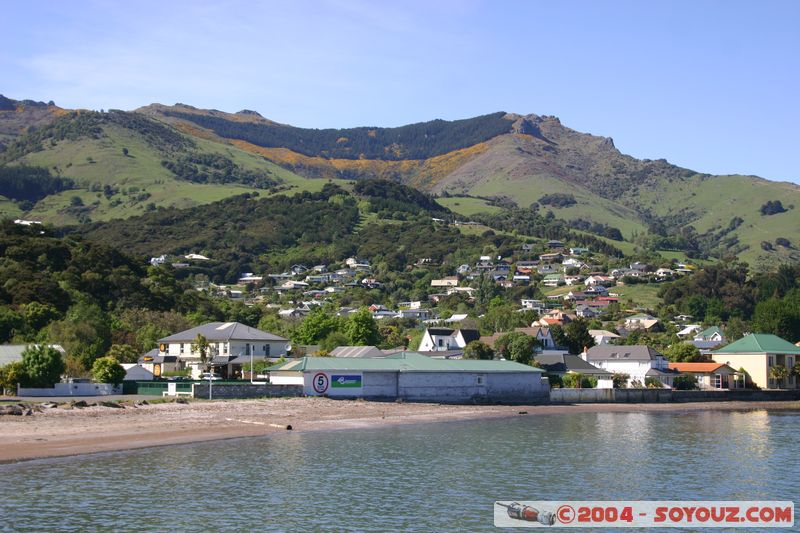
(602, 336)
(230, 345)
(445, 282)
(638, 362)
(442, 339)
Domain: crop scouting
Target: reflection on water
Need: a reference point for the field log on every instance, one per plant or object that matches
(434, 477)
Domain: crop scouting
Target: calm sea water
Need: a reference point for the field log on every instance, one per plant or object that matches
(432, 477)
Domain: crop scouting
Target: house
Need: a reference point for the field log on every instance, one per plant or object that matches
(542, 334)
(564, 363)
(528, 247)
(553, 280)
(157, 363)
(640, 267)
(463, 269)
(547, 269)
(521, 279)
(573, 280)
(709, 338)
(579, 251)
(451, 281)
(571, 262)
(230, 345)
(456, 318)
(249, 277)
(298, 269)
(551, 258)
(554, 317)
(711, 375)
(602, 336)
(638, 362)
(642, 321)
(291, 285)
(758, 354)
(414, 377)
(534, 305)
(322, 269)
(293, 313)
(438, 339)
(690, 330)
(554, 244)
(584, 311)
(12, 353)
(417, 314)
(354, 263)
(160, 260)
(137, 372)
(195, 257)
(599, 280)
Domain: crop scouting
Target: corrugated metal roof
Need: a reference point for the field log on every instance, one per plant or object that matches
(402, 362)
(219, 331)
(700, 368)
(760, 343)
(356, 351)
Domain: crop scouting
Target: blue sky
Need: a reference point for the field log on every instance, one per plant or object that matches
(710, 85)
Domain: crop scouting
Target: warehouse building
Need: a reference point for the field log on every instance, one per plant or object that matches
(415, 377)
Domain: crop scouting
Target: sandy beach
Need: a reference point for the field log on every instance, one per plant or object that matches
(64, 431)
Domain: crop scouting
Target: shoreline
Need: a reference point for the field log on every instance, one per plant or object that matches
(63, 432)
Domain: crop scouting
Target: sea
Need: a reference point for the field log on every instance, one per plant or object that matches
(442, 476)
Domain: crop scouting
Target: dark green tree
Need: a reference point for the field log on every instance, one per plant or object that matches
(478, 350)
(42, 365)
(108, 370)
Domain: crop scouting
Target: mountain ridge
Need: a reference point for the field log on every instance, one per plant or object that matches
(491, 160)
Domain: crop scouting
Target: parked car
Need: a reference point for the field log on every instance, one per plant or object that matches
(210, 376)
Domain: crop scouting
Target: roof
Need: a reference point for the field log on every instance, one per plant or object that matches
(442, 332)
(603, 332)
(470, 335)
(153, 356)
(219, 331)
(760, 343)
(708, 332)
(10, 353)
(401, 362)
(562, 363)
(697, 368)
(608, 352)
(356, 351)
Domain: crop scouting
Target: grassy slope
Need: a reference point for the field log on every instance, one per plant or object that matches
(141, 168)
(467, 206)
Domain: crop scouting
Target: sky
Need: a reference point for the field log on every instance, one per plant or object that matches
(708, 85)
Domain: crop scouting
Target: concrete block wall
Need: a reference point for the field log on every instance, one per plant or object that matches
(72, 389)
(230, 391)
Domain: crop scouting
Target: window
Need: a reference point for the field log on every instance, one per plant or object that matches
(770, 360)
(441, 342)
(266, 349)
(479, 380)
(181, 347)
(247, 348)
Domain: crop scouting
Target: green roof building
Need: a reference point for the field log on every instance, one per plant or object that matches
(758, 354)
(416, 377)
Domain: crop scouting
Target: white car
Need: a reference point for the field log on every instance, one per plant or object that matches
(210, 376)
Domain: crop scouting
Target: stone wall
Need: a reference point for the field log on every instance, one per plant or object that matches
(229, 391)
(667, 395)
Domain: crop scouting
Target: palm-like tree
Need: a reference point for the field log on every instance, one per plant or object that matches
(779, 373)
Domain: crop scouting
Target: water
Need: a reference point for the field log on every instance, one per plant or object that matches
(431, 477)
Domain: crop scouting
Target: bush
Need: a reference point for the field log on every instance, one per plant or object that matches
(10, 375)
(620, 380)
(478, 350)
(42, 366)
(578, 381)
(653, 383)
(107, 370)
(685, 382)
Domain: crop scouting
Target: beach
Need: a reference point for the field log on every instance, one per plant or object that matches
(65, 430)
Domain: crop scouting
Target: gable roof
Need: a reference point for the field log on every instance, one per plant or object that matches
(401, 362)
(708, 332)
(760, 343)
(470, 335)
(609, 352)
(222, 331)
(562, 363)
(441, 332)
(356, 351)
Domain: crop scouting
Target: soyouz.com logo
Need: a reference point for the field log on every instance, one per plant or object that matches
(639, 514)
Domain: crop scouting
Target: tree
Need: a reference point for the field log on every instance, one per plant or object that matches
(316, 326)
(685, 382)
(577, 336)
(516, 346)
(620, 380)
(779, 373)
(683, 352)
(42, 366)
(200, 346)
(576, 380)
(478, 350)
(10, 375)
(108, 370)
(361, 329)
(123, 353)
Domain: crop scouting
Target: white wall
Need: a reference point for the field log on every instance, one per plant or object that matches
(73, 389)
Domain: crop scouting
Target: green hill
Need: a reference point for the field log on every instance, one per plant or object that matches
(124, 164)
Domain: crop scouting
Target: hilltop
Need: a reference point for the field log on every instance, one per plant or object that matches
(119, 164)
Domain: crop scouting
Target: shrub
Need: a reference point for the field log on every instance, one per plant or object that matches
(685, 382)
(578, 381)
(42, 366)
(653, 383)
(620, 380)
(108, 370)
